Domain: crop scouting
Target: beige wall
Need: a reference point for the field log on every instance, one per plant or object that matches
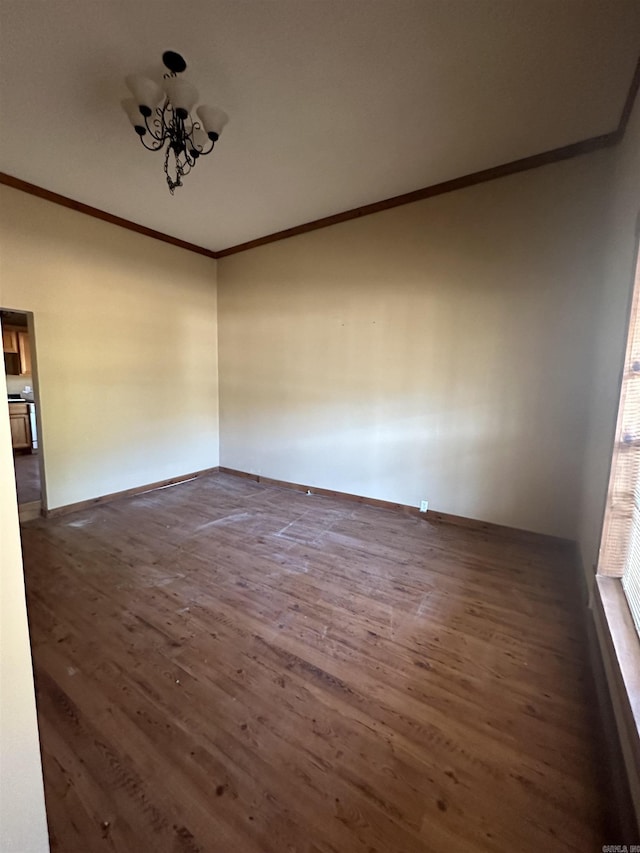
(125, 335)
(23, 824)
(433, 351)
(612, 315)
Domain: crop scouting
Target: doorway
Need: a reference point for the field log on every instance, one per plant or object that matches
(19, 352)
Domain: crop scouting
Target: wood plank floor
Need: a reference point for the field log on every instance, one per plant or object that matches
(27, 468)
(228, 667)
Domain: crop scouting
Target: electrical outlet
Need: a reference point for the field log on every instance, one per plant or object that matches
(424, 506)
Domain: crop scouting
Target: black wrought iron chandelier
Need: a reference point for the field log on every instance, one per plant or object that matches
(161, 118)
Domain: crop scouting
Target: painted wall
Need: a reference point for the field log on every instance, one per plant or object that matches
(125, 337)
(23, 825)
(433, 351)
(612, 316)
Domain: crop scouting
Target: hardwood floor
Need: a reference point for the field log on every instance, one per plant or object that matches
(27, 467)
(224, 667)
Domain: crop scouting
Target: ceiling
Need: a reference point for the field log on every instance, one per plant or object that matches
(334, 104)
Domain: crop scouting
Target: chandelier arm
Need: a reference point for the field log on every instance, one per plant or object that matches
(158, 131)
(157, 147)
(200, 150)
(204, 153)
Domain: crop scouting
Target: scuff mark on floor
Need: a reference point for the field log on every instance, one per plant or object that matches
(423, 604)
(226, 519)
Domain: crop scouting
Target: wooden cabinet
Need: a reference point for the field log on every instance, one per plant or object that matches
(9, 340)
(17, 351)
(20, 427)
(24, 351)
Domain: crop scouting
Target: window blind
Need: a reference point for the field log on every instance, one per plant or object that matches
(620, 549)
(631, 573)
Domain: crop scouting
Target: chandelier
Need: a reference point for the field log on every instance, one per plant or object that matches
(161, 117)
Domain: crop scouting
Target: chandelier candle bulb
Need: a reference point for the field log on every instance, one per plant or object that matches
(182, 96)
(161, 119)
(213, 119)
(132, 109)
(146, 92)
(201, 140)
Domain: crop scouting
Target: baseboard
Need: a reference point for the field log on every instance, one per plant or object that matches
(126, 493)
(499, 529)
(326, 493)
(430, 515)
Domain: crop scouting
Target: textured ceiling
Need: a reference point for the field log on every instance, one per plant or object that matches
(333, 103)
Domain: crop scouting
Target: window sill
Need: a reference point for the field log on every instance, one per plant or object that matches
(620, 647)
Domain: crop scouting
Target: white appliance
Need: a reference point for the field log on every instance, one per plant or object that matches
(31, 408)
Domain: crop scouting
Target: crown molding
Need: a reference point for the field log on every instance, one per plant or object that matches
(470, 180)
(621, 129)
(64, 201)
(555, 155)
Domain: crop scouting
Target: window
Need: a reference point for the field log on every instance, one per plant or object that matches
(620, 549)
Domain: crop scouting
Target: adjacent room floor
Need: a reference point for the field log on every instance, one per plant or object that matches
(27, 466)
(228, 667)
